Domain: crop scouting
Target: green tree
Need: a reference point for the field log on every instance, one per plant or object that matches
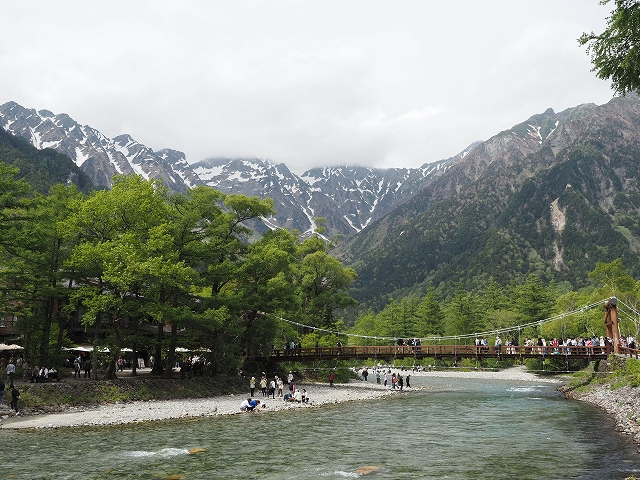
(121, 258)
(33, 251)
(464, 313)
(264, 285)
(225, 236)
(429, 313)
(324, 283)
(533, 301)
(612, 280)
(615, 53)
(366, 325)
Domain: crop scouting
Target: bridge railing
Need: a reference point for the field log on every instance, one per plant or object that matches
(439, 351)
(630, 352)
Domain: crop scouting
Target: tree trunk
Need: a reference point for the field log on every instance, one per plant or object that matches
(111, 370)
(134, 362)
(171, 356)
(46, 331)
(157, 366)
(94, 357)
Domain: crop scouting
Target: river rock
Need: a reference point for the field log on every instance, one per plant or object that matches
(367, 470)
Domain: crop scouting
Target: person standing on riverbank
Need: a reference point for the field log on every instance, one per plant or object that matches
(263, 385)
(252, 385)
(280, 385)
(332, 377)
(272, 389)
(15, 396)
(11, 371)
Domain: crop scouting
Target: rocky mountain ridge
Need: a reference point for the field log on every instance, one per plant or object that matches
(551, 197)
(348, 198)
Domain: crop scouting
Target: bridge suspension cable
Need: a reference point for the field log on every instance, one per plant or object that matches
(454, 337)
(633, 316)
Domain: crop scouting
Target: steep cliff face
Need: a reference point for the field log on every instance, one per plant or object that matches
(532, 199)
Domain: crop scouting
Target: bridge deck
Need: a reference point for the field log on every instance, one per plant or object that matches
(436, 351)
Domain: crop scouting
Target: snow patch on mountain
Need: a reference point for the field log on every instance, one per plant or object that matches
(348, 197)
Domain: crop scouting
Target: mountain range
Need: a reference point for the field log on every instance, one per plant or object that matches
(348, 198)
(551, 196)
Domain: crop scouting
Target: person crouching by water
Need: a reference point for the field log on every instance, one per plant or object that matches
(249, 405)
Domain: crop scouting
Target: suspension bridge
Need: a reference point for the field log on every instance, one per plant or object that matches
(436, 347)
(390, 352)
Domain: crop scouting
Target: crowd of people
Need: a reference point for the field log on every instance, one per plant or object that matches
(44, 374)
(554, 346)
(274, 388)
(384, 376)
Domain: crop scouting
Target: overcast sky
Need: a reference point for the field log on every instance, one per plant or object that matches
(307, 83)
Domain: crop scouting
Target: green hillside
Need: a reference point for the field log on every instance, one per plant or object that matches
(554, 212)
(41, 168)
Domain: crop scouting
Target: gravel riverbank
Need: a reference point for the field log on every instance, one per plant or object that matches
(144, 411)
(623, 404)
(319, 394)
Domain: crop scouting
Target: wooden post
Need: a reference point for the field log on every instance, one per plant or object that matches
(611, 322)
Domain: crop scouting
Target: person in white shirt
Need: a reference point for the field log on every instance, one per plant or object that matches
(11, 370)
(297, 396)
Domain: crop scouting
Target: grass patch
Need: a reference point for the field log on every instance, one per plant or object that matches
(57, 396)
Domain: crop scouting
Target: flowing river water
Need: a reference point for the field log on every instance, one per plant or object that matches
(454, 428)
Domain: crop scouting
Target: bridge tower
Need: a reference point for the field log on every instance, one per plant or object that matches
(611, 322)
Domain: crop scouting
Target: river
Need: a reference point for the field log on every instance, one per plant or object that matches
(454, 428)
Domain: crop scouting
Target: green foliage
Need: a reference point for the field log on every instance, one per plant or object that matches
(47, 395)
(318, 371)
(632, 372)
(132, 262)
(615, 52)
(41, 169)
(464, 314)
(580, 379)
(533, 300)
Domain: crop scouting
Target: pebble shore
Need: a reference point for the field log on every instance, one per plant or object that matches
(623, 404)
(319, 394)
(145, 411)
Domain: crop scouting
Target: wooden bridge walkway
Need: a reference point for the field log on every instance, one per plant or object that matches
(388, 352)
